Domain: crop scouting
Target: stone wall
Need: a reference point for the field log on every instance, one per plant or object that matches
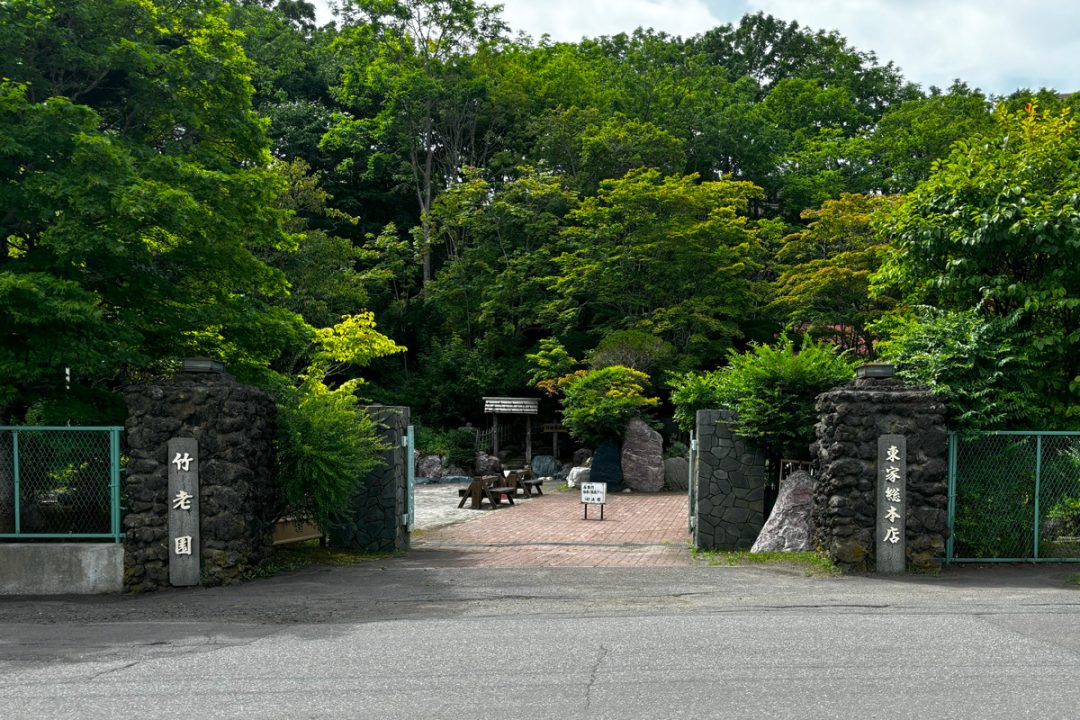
(730, 486)
(374, 522)
(852, 419)
(234, 426)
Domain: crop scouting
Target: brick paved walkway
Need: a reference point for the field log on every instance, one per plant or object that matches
(637, 529)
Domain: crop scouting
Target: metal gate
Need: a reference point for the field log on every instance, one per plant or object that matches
(409, 442)
(1014, 497)
(692, 474)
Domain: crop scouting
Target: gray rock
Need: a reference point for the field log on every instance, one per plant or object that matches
(580, 456)
(545, 466)
(429, 466)
(676, 474)
(790, 526)
(642, 458)
(487, 464)
(607, 466)
(577, 476)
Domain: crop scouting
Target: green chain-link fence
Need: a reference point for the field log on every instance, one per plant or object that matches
(1014, 497)
(60, 483)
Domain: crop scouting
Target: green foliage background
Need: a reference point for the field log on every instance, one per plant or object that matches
(229, 178)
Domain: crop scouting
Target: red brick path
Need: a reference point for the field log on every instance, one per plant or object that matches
(637, 529)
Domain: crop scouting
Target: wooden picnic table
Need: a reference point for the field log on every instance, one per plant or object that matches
(491, 488)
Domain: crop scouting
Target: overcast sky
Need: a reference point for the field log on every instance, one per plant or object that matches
(995, 45)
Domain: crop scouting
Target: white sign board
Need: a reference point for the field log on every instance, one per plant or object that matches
(593, 493)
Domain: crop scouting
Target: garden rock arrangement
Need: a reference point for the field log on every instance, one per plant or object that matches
(234, 425)
(852, 419)
(545, 466)
(607, 466)
(487, 464)
(642, 458)
(578, 475)
(429, 466)
(790, 525)
(581, 457)
(677, 474)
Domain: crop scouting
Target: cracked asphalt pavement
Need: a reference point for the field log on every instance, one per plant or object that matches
(417, 636)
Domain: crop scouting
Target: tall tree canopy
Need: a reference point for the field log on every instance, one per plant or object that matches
(138, 194)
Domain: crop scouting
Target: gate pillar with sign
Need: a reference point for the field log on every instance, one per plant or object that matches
(377, 520)
(881, 493)
(226, 432)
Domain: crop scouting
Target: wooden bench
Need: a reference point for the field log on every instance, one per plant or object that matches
(485, 488)
(532, 485)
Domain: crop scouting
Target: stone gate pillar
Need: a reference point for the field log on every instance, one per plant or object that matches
(852, 418)
(373, 522)
(234, 427)
(730, 488)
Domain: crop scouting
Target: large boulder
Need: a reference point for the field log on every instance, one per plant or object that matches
(577, 476)
(429, 466)
(677, 474)
(607, 466)
(581, 456)
(487, 464)
(545, 466)
(790, 526)
(642, 458)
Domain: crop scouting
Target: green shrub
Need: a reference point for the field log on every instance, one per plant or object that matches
(692, 392)
(598, 404)
(326, 447)
(772, 390)
(971, 361)
(633, 349)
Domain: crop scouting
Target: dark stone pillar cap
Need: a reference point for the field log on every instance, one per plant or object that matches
(202, 365)
(875, 370)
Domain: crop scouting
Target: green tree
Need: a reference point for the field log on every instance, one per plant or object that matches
(996, 227)
(597, 405)
(824, 283)
(912, 135)
(669, 256)
(138, 197)
(418, 100)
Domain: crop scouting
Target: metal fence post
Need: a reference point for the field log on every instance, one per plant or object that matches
(114, 469)
(691, 480)
(949, 548)
(18, 491)
(1038, 482)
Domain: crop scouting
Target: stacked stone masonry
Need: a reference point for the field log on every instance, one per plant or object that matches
(851, 420)
(234, 425)
(730, 486)
(374, 521)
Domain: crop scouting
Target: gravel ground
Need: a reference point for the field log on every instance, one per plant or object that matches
(436, 506)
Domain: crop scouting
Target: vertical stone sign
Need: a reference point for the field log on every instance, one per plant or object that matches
(891, 504)
(184, 548)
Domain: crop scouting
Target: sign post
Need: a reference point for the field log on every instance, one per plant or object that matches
(892, 504)
(184, 547)
(594, 493)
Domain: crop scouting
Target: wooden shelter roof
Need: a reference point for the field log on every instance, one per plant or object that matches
(511, 405)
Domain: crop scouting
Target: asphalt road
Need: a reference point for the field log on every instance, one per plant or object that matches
(415, 637)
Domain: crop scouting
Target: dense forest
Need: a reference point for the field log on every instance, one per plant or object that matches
(415, 196)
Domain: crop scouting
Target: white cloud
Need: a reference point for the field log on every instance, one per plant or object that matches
(997, 45)
(570, 20)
